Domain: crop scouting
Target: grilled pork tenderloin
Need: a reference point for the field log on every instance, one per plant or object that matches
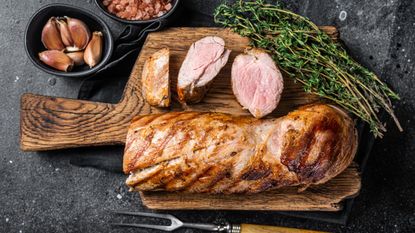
(220, 153)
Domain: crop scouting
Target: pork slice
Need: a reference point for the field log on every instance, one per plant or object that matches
(155, 79)
(257, 83)
(205, 58)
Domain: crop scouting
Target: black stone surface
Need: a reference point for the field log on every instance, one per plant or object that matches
(42, 192)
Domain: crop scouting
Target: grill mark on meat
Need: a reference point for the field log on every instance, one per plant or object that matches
(157, 149)
(171, 133)
(257, 172)
(198, 184)
(202, 139)
(223, 174)
(225, 171)
(297, 150)
(142, 149)
(161, 165)
(214, 174)
(148, 141)
(166, 174)
(140, 122)
(192, 181)
(268, 185)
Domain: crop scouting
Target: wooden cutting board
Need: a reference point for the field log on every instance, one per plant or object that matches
(49, 123)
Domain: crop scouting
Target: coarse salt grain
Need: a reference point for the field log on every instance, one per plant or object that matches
(138, 9)
(343, 15)
(119, 196)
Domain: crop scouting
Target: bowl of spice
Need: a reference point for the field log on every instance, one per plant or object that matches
(138, 11)
(68, 41)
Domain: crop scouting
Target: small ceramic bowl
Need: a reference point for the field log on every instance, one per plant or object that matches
(165, 17)
(34, 46)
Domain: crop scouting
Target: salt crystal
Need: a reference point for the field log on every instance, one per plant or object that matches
(10, 161)
(119, 196)
(16, 79)
(7, 219)
(342, 15)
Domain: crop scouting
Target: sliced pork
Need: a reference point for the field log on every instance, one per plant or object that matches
(203, 61)
(155, 79)
(220, 153)
(257, 82)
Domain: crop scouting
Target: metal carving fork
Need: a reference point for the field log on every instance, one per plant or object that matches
(228, 228)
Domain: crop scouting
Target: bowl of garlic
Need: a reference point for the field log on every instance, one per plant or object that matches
(68, 41)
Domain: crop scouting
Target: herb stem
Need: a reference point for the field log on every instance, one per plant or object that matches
(308, 55)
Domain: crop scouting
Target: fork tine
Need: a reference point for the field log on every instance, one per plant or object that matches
(156, 227)
(145, 214)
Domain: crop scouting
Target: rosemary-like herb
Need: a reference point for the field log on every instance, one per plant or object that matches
(312, 58)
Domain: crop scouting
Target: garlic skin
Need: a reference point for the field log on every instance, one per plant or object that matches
(57, 59)
(77, 57)
(51, 37)
(64, 32)
(79, 32)
(93, 51)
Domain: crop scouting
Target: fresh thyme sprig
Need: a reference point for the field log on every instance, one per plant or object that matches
(312, 58)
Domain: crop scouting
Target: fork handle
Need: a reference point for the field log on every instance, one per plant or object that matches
(250, 228)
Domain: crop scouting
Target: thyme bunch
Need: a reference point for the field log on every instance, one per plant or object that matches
(312, 58)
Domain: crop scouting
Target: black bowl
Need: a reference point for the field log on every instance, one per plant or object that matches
(175, 5)
(33, 43)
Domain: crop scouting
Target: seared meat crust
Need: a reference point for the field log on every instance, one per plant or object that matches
(155, 79)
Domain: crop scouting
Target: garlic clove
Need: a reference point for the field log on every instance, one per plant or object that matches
(64, 32)
(51, 37)
(56, 59)
(93, 51)
(77, 57)
(79, 32)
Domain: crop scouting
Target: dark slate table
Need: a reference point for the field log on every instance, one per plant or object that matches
(42, 192)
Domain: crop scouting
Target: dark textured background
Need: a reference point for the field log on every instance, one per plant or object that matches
(42, 192)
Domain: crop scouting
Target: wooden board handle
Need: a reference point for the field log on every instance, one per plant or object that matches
(250, 228)
(48, 123)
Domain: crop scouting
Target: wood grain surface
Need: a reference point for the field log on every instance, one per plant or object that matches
(48, 123)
